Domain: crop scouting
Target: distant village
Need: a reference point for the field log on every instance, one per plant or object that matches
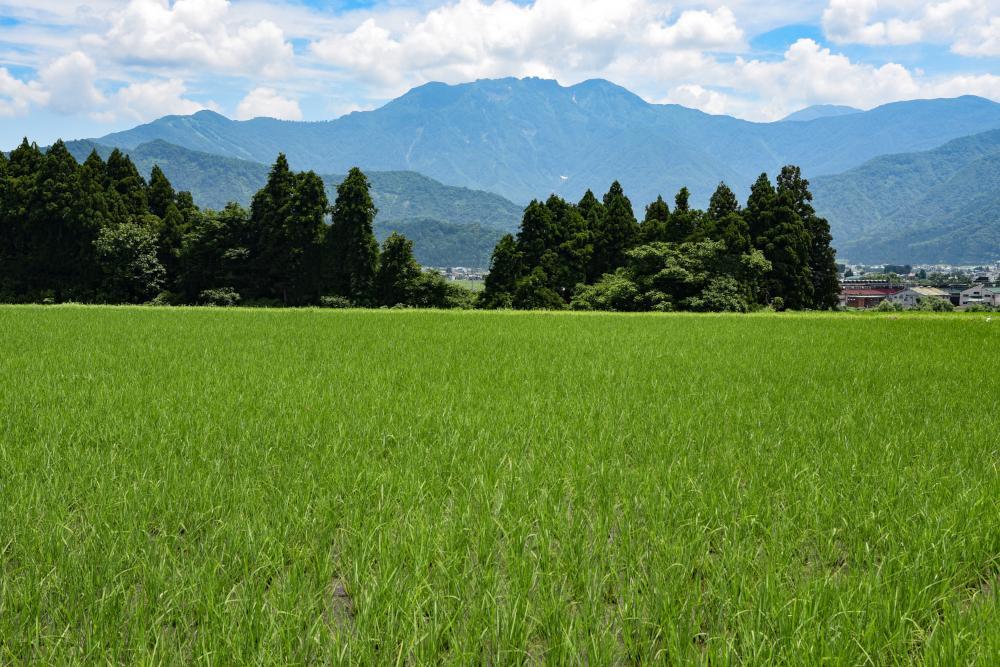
(462, 273)
(929, 287)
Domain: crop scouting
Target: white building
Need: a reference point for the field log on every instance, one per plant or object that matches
(980, 294)
(911, 296)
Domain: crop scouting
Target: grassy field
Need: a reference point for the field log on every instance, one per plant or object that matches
(394, 487)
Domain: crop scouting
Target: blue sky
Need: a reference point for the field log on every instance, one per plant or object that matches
(84, 69)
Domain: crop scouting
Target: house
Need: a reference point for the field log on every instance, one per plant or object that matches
(865, 296)
(911, 296)
(981, 294)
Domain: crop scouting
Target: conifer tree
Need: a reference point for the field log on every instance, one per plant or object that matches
(683, 221)
(822, 257)
(682, 200)
(269, 247)
(352, 248)
(591, 208)
(161, 193)
(760, 207)
(617, 233)
(505, 271)
(124, 178)
(780, 233)
(536, 233)
(398, 272)
(569, 249)
(61, 231)
(306, 231)
(654, 225)
(169, 242)
(723, 203)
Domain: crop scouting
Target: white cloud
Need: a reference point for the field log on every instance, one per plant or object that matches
(266, 102)
(196, 33)
(969, 26)
(469, 39)
(697, 97)
(70, 84)
(149, 100)
(810, 74)
(17, 97)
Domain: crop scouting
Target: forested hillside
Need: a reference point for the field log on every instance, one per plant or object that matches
(526, 138)
(935, 206)
(214, 181)
(444, 244)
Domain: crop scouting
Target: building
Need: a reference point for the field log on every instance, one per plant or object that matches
(911, 296)
(981, 294)
(865, 294)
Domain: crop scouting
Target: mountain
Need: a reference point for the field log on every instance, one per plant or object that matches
(820, 111)
(214, 181)
(444, 244)
(938, 206)
(526, 138)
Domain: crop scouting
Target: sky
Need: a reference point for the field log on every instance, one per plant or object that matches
(83, 69)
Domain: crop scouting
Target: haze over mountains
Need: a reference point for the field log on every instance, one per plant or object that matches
(526, 138)
(938, 206)
(450, 226)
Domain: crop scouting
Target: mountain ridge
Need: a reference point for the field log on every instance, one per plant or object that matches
(937, 206)
(527, 138)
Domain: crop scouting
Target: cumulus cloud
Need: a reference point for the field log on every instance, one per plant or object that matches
(474, 38)
(152, 99)
(810, 74)
(17, 97)
(193, 33)
(266, 102)
(69, 81)
(969, 26)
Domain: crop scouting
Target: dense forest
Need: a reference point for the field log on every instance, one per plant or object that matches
(98, 232)
(595, 255)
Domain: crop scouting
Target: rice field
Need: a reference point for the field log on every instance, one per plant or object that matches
(197, 486)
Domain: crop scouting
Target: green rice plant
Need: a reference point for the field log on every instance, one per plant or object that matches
(235, 486)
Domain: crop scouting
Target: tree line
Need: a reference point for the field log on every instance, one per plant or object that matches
(98, 232)
(595, 255)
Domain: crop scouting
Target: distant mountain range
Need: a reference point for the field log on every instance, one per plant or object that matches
(905, 182)
(938, 206)
(527, 138)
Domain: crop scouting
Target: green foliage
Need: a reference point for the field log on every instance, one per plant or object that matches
(887, 306)
(506, 267)
(398, 273)
(435, 291)
(614, 292)
(654, 225)
(934, 305)
(532, 292)
(287, 219)
(224, 297)
(126, 254)
(352, 251)
(723, 203)
(616, 233)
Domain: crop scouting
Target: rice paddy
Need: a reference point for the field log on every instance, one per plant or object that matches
(192, 486)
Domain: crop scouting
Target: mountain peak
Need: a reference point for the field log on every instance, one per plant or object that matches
(820, 111)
